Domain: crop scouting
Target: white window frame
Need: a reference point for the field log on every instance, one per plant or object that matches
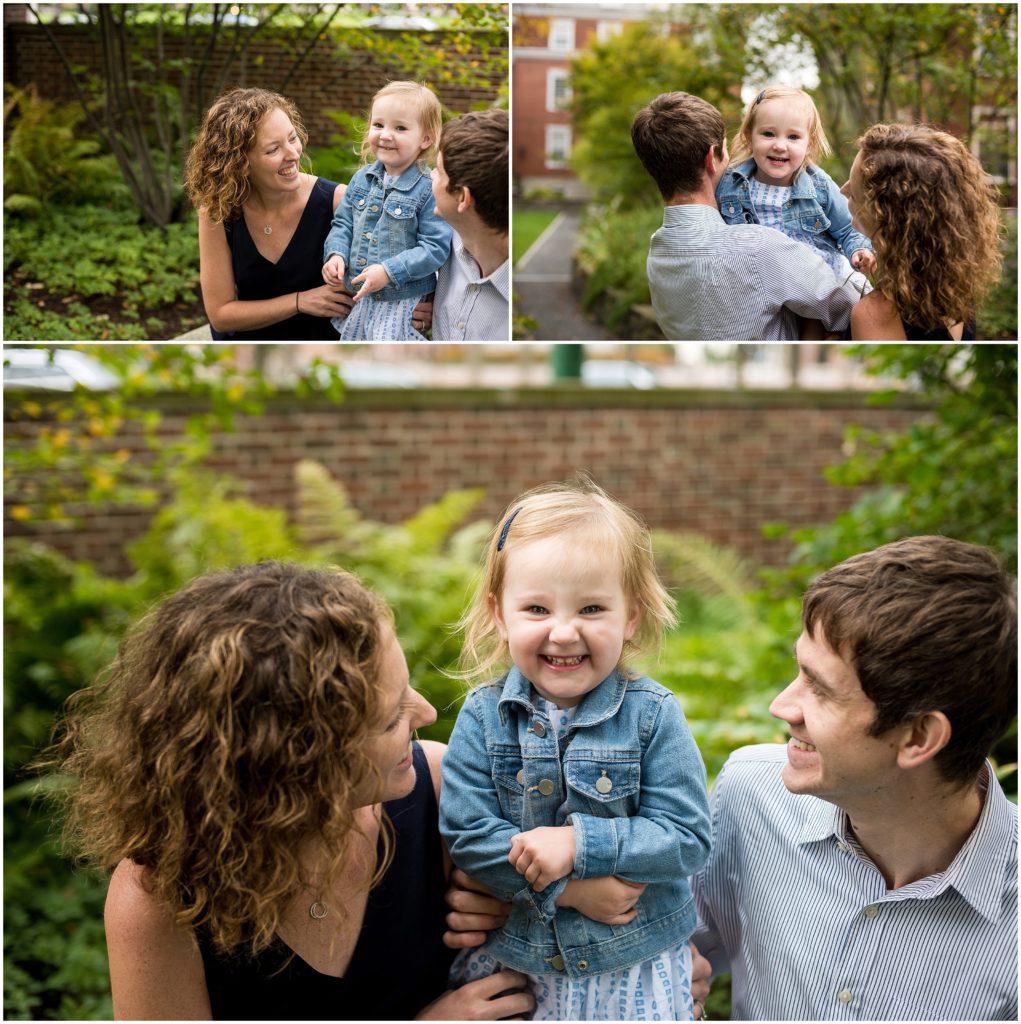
(558, 77)
(558, 138)
(1009, 121)
(606, 30)
(561, 34)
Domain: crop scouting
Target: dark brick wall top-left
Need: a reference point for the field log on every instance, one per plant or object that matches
(331, 78)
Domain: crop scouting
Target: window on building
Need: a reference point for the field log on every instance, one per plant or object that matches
(561, 34)
(558, 145)
(558, 89)
(992, 143)
(606, 30)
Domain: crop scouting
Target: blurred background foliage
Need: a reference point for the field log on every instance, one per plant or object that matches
(955, 472)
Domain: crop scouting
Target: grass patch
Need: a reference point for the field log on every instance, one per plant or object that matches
(528, 225)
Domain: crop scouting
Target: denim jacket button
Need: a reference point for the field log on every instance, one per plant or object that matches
(730, 209)
(582, 965)
(521, 777)
(539, 729)
(397, 210)
(556, 962)
(603, 784)
(374, 209)
(546, 787)
(818, 225)
(361, 202)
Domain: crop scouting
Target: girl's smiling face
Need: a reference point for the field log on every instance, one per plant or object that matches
(396, 137)
(564, 615)
(779, 140)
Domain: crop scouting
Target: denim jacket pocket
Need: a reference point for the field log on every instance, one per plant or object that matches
(608, 783)
(400, 207)
(814, 223)
(507, 774)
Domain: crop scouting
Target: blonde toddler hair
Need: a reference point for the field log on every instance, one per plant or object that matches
(579, 507)
(818, 144)
(428, 113)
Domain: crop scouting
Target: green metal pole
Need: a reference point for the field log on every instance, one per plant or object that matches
(567, 360)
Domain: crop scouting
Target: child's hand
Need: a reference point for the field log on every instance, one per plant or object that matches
(865, 261)
(372, 280)
(543, 855)
(608, 900)
(333, 270)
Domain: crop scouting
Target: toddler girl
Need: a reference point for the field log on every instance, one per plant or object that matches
(386, 236)
(572, 786)
(773, 180)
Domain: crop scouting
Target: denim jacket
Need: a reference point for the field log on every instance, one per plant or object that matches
(815, 206)
(635, 792)
(398, 228)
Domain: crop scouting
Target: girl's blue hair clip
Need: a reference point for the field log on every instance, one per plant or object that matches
(506, 529)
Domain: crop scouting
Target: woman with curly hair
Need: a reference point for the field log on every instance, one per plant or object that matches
(933, 218)
(248, 769)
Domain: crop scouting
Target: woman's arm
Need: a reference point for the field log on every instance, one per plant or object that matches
(876, 319)
(156, 970)
(228, 313)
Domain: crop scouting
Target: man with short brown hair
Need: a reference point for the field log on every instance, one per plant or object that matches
(868, 870)
(470, 187)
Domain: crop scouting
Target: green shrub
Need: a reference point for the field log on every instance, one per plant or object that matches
(613, 247)
(997, 316)
(47, 157)
(91, 253)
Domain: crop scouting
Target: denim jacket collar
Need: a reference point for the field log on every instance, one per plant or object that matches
(404, 183)
(599, 704)
(803, 187)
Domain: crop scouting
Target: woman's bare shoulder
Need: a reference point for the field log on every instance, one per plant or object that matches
(434, 752)
(875, 318)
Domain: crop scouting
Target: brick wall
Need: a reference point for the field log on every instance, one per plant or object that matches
(331, 78)
(721, 464)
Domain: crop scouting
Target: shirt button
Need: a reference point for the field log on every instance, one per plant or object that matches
(845, 996)
(582, 965)
(539, 729)
(872, 913)
(843, 847)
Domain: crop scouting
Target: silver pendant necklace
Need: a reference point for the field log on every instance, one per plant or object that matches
(267, 230)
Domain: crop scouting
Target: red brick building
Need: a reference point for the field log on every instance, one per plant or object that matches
(546, 38)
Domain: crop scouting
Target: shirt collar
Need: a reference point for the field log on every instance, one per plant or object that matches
(599, 704)
(976, 872)
(693, 215)
(499, 278)
(407, 180)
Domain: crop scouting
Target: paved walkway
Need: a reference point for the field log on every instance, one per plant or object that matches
(542, 285)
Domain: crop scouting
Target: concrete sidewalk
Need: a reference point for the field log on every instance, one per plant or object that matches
(542, 285)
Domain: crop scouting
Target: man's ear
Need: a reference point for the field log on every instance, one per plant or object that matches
(465, 199)
(494, 609)
(712, 162)
(923, 739)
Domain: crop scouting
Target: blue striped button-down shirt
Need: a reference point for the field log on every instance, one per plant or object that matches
(802, 916)
(713, 281)
(468, 306)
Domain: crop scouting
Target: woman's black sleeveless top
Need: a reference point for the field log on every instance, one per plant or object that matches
(399, 964)
(298, 269)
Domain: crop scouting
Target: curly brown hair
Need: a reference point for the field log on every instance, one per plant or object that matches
(936, 222)
(229, 734)
(216, 174)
